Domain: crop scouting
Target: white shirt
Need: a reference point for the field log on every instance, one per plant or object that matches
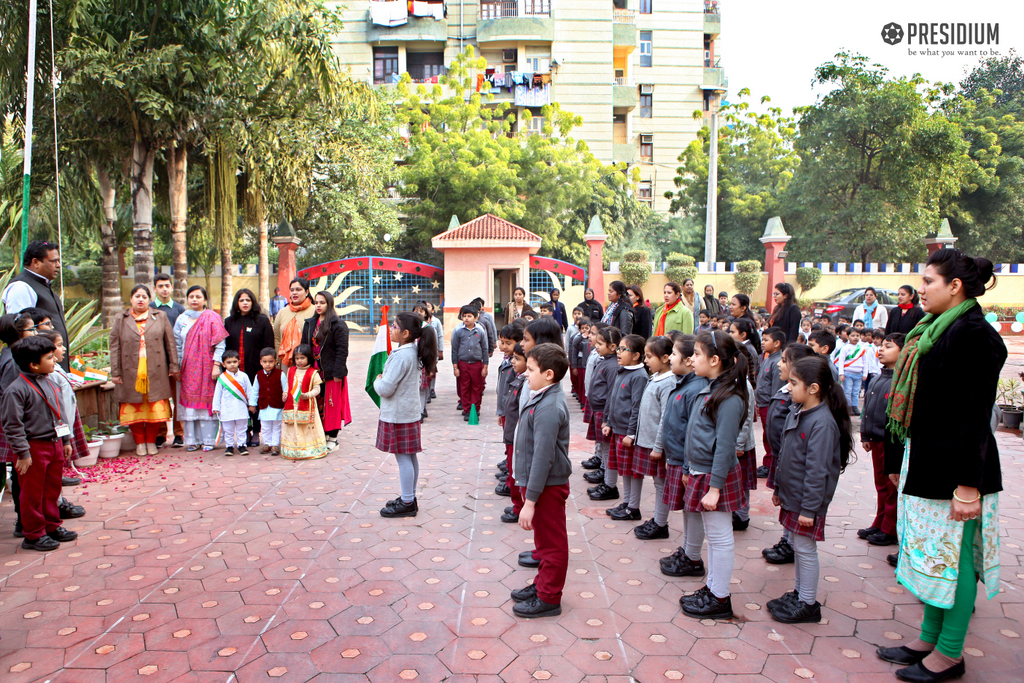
(18, 296)
(230, 407)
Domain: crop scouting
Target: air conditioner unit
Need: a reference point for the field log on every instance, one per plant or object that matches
(647, 139)
(508, 56)
(647, 89)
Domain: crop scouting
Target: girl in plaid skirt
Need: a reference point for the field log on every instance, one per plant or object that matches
(713, 490)
(816, 446)
(398, 385)
(597, 397)
(652, 406)
(621, 421)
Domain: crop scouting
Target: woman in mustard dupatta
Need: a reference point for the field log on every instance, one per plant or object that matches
(200, 334)
(289, 321)
(143, 357)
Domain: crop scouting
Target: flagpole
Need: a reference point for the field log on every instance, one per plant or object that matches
(30, 88)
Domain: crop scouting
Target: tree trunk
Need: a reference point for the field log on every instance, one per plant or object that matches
(227, 290)
(142, 210)
(264, 293)
(177, 177)
(110, 297)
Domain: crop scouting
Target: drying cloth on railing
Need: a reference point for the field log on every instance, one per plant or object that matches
(532, 97)
(389, 13)
(428, 9)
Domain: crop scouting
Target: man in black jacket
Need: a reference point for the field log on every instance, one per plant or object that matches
(31, 287)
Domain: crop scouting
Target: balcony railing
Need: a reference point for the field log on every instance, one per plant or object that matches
(623, 80)
(624, 16)
(511, 9)
(711, 7)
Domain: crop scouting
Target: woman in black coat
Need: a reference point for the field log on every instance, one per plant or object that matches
(620, 308)
(592, 309)
(642, 316)
(786, 315)
(327, 334)
(907, 315)
(249, 332)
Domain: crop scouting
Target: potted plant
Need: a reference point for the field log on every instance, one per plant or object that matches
(112, 432)
(1010, 402)
(93, 438)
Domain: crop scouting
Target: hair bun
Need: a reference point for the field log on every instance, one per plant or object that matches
(986, 270)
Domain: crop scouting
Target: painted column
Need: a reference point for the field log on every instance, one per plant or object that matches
(595, 239)
(774, 241)
(286, 247)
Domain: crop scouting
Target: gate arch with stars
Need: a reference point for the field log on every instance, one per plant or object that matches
(362, 284)
(548, 273)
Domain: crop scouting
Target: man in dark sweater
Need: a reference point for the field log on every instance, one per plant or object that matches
(40, 434)
(541, 465)
(876, 439)
(31, 288)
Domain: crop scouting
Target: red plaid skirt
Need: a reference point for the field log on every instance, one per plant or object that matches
(674, 493)
(581, 384)
(79, 444)
(643, 466)
(587, 415)
(790, 521)
(620, 456)
(398, 438)
(730, 498)
(748, 465)
(594, 429)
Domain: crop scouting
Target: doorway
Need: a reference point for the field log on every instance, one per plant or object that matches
(505, 282)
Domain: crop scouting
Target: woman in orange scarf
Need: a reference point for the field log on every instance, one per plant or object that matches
(288, 323)
(673, 315)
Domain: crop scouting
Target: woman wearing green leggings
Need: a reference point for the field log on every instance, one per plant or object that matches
(950, 478)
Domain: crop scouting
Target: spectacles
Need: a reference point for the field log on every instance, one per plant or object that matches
(622, 349)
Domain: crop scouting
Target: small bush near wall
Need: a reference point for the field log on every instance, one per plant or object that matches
(635, 268)
(808, 278)
(747, 277)
(680, 267)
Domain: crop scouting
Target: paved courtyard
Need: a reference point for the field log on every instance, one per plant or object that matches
(207, 568)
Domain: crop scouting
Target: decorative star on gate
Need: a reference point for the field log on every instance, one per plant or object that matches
(435, 284)
(376, 279)
(416, 289)
(398, 276)
(396, 299)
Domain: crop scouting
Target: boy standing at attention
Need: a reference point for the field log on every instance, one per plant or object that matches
(231, 399)
(772, 341)
(823, 343)
(541, 465)
(469, 358)
(853, 368)
(39, 432)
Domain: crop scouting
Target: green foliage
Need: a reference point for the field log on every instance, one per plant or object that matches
(90, 276)
(635, 268)
(807, 278)
(1005, 74)
(81, 322)
(680, 267)
(747, 276)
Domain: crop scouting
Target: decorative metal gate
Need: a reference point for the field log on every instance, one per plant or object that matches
(548, 273)
(362, 284)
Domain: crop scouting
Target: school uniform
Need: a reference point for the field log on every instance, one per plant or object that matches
(808, 472)
(541, 467)
(671, 437)
(270, 406)
(505, 375)
(597, 395)
(875, 436)
(852, 370)
(768, 382)
(231, 399)
(874, 366)
(652, 407)
(511, 399)
(398, 428)
(582, 356)
(32, 416)
(469, 353)
(588, 376)
(622, 414)
(748, 460)
(775, 424)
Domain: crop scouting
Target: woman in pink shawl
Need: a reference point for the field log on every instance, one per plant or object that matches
(199, 334)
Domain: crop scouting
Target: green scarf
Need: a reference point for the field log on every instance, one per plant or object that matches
(919, 342)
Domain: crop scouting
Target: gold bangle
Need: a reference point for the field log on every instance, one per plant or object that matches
(966, 502)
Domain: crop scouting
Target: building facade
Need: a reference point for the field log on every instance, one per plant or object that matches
(636, 71)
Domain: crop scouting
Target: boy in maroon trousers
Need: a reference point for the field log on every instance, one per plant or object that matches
(39, 432)
(541, 466)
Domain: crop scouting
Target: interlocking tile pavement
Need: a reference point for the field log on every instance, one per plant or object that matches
(205, 568)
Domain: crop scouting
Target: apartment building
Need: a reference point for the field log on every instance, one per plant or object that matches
(634, 70)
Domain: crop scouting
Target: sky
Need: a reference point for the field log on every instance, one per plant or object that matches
(772, 47)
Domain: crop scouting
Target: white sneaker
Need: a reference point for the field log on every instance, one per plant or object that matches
(140, 450)
(151, 449)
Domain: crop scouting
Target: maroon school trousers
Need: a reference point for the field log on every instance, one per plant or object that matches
(517, 492)
(767, 459)
(552, 542)
(40, 489)
(885, 515)
(471, 385)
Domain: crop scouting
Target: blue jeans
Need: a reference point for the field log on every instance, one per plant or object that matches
(851, 388)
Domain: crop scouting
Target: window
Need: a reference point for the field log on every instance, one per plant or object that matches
(646, 48)
(646, 101)
(647, 148)
(708, 98)
(536, 126)
(385, 63)
(645, 6)
(424, 65)
(709, 50)
(645, 193)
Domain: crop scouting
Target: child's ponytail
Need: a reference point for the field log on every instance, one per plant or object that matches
(814, 370)
(426, 349)
(733, 380)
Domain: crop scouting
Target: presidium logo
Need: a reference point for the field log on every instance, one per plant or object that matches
(892, 33)
(932, 33)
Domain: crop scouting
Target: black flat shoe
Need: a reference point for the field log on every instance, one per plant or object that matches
(42, 544)
(535, 608)
(400, 509)
(901, 655)
(503, 489)
(18, 531)
(919, 674)
(683, 566)
(70, 481)
(242, 450)
(423, 416)
(459, 407)
(62, 535)
(161, 440)
(524, 594)
(527, 560)
(620, 506)
(502, 466)
(501, 476)
(595, 476)
(509, 510)
(229, 451)
(782, 553)
(433, 394)
(649, 530)
(674, 557)
(883, 539)
(509, 517)
(893, 558)
(591, 463)
(797, 612)
(867, 531)
(765, 551)
(626, 514)
(762, 472)
(70, 511)
(465, 417)
(707, 606)
(178, 442)
(791, 596)
(739, 524)
(605, 492)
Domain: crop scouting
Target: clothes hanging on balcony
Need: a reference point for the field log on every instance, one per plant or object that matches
(499, 80)
(545, 79)
(532, 97)
(418, 8)
(389, 13)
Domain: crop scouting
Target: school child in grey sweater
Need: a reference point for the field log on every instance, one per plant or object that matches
(469, 350)
(597, 397)
(657, 356)
(768, 382)
(621, 421)
(514, 391)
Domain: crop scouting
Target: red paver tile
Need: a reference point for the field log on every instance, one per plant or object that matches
(225, 653)
(605, 656)
(667, 668)
(535, 667)
(278, 666)
(477, 656)
(409, 668)
(104, 651)
(351, 654)
(663, 639)
(30, 664)
(151, 666)
(298, 635)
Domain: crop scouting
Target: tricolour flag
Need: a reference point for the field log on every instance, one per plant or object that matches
(381, 351)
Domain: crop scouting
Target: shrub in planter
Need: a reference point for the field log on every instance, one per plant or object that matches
(680, 267)
(747, 276)
(635, 268)
(808, 278)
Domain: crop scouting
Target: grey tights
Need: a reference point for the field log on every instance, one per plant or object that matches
(660, 507)
(807, 568)
(717, 525)
(634, 489)
(611, 477)
(408, 474)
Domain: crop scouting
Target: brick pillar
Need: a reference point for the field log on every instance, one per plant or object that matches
(286, 247)
(774, 241)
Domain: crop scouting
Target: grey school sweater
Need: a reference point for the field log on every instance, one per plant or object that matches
(711, 444)
(399, 386)
(541, 455)
(622, 409)
(600, 387)
(768, 380)
(808, 470)
(652, 406)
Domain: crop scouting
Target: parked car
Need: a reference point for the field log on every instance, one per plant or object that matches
(844, 302)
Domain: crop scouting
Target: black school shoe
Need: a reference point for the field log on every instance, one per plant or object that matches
(524, 594)
(762, 472)
(705, 605)
(502, 466)
(781, 553)
(682, 566)
(919, 674)
(604, 492)
(791, 596)
(797, 612)
(509, 517)
(459, 407)
(591, 463)
(526, 559)
(465, 417)
(178, 442)
(621, 506)
(864, 533)
(242, 450)
(739, 524)
(901, 655)
(893, 558)
(160, 441)
(69, 510)
(626, 514)
(42, 544)
(400, 509)
(501, 476)
(70, 481)
(882, 538)
(595, 476)
(433, 394)
(62, 535)
(674, 557)
(229, 451)
(18, 531)
(649, 530)
(423, 415)
(535, 608)
(503, 489)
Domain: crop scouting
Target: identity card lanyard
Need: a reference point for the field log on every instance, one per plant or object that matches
(58, 424)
